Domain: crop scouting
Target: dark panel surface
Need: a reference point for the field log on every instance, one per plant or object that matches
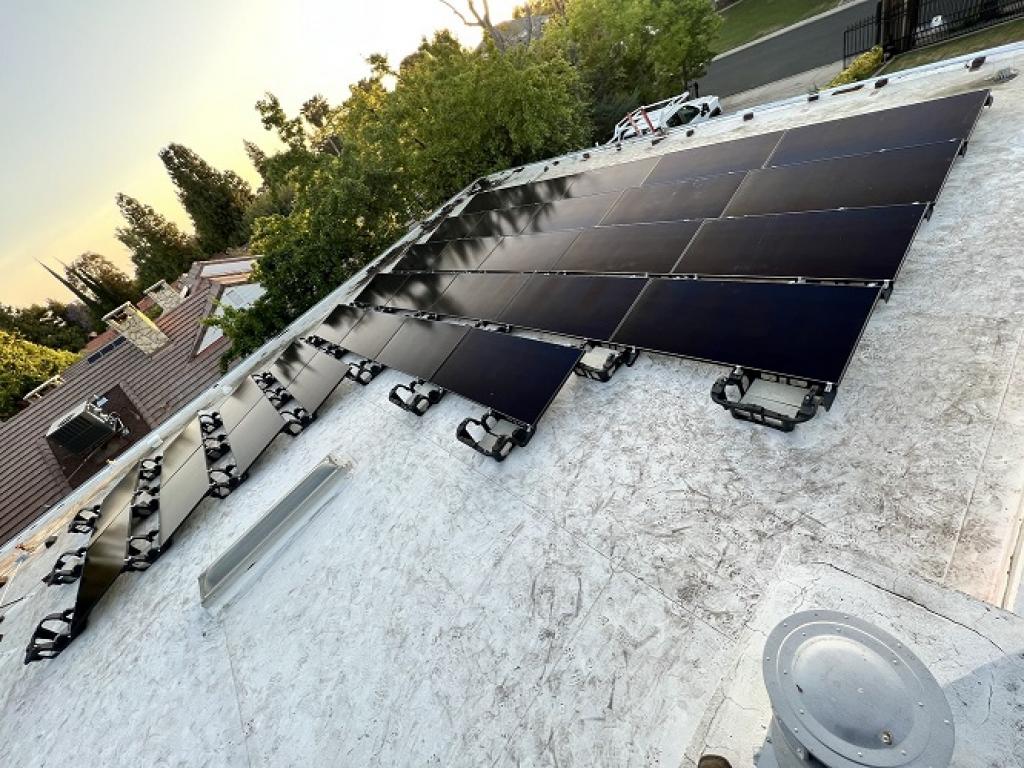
(337, 324)
(614, 177)
(517, 377)
(420, 346)
(462, 255)
(588, 307)
(370, 335)
(884, 178)
(180, 448)
(853, 244)
(529, 253)
(482, 297)
(507, 221)
(242, 400)
(454, 227)
(117, 498)
(806, 331)
(711, 160)
(316, 381)
(573, 213)
(252, 436)
(928, 122)
(104, 561)
(697, 199)
(635, 248)
(522, 194)
(293, 359)
(380, 289)
(182, 491)
(420, 291)
(421, 256)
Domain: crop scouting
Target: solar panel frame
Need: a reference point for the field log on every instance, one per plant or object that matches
(182, 492)
(690, 318)
(420, 347)
(530, 193)
(572, 213)
(715, 159)
(254, 434)
(371, 334)
(851, 244)
(478, 296)
(379, 290)
(505, 221)
(317, 381)
(611, 178)
(691, 199)
(104, 562)
(529, 253)
(633, 249)
(889, 177)
(420, 291)
(515, 376)
(338, 323)
(455, 227)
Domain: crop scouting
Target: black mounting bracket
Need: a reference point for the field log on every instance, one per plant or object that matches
(68, 567)
(224, 480)
(150, 469)
(145, 502)
(272, 388)
(51, 636)
(326, 346)
(215, 447)
(296, 420)
(605, 369)
(84, 520)
(364, 371)
(492, 442)
(210, 422)
(729, 391)
(416, 397)
(143, 550)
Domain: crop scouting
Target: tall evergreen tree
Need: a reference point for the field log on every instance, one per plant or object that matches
(160, 251)
(215, 200)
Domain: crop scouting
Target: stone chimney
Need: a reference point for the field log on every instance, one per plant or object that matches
(165, 296)
(136, 327)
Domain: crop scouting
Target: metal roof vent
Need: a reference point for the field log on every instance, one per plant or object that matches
(845, 694)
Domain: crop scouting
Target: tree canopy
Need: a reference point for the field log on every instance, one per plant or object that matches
(23, 367)
(51, 325)
(159, 250)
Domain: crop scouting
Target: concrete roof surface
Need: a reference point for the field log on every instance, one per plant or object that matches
(601, 597)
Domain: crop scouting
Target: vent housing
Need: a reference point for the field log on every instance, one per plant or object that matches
(83, 428)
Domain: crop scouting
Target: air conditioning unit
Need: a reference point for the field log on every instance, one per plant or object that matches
(84, 428)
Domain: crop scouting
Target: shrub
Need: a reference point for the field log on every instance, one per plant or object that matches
(862, 67)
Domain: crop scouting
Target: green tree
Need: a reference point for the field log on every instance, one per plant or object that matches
(48, 325)
(97, 283)
(631, 52)
(23, 367)
(159, 250)
(216, 201)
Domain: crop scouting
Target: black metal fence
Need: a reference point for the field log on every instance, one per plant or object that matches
(925, 23)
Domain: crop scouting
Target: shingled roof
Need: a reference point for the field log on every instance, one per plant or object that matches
(158, 385)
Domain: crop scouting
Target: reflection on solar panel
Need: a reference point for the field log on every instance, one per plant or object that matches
(926, 123)
(515, 376)
(715, 159)
(506, 221)
(371, 333)
(380, 289)
(245, 397)
(806, 331)
(856, 244)
(587, 307)
(892, 177)
(461, 255)
(573, 213)
(612, 178)
(696, 199)
(422, 256)
(420, 346)
(523, 194)
(293, 359)
(528, 253)
(183, 484)
(420, 291)
(316, 381)
(338, 323)
(455, 227)
(478, 296)
(632, 249)
(255, 432)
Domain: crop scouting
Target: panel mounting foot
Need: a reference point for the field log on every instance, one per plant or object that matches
(326, 346)
(779, 402)
(296, 420)
(224, 480)
(68, 567)
(84, 520)
(143, 551)
(493, 435)
(416, 397)
(601, 363)
(51, 636)
(364, 371)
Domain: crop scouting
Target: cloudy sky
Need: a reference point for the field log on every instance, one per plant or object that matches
(92, 91)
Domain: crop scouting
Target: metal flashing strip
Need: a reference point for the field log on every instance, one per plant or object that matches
(270, 533)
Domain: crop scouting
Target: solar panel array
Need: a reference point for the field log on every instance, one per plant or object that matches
(767, 253)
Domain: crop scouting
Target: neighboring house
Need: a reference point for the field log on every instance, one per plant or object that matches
(139, 369)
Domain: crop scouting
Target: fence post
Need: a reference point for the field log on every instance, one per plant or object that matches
(878, 22)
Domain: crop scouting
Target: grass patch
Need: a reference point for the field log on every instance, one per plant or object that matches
(1010, 32)
(751, 19)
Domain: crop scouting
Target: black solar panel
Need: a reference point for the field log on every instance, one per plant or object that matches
(338, 323)
(611, 178)
(421, 256)
(515, 376)
(631, 249)
(242, 400)
(695, 199)
(255, 432)
(461, 255)
(583, 306)
(529, 253)
(933, 121)
(455, 227)
(420, 291)
(854, 244)
(523, 194)
(104, 560)
(420, 346)
(714, 159)
(293, 359)
(806, 331)
(507, 221)
(380, 289)
(371, 333)
(479, 296)
(181, 492)
(573, 213)
(316, 381)
(891, 177)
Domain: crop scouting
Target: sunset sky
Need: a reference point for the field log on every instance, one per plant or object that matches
(93, 90)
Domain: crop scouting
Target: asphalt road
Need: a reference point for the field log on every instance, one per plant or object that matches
(798, 50)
